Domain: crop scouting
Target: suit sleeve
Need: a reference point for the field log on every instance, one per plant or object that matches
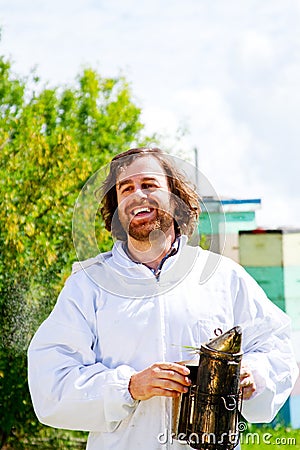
(69, 387)
(267, 350)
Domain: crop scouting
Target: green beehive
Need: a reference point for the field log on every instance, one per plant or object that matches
(221, 220)
(271, 279)
(272, 257)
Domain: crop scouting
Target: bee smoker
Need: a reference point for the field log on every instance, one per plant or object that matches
(206, 417)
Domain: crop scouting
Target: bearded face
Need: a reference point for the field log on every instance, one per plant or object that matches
(144, 198)
(143, 224)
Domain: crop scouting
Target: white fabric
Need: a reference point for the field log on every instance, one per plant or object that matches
(82, 357)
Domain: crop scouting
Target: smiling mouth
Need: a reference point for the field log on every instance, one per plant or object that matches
(141, 211)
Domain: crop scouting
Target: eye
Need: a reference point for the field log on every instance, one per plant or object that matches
(127, 189)
(149, 186)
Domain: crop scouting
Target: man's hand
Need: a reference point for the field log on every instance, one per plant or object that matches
(161, 379)
(247, 382)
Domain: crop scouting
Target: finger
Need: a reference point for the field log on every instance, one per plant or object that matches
(248, 392)
(169, 385)
(244, 375)
(248, 387)
(179, 368)
(246, 382)
(165, 393)
(174, 376)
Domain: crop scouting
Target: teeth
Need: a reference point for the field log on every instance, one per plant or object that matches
(139, 210)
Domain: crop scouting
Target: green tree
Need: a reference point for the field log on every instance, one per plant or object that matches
(51, 142)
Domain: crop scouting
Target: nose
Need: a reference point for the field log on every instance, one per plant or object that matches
(140, 193)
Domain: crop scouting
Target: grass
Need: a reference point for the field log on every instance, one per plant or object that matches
(48, 439)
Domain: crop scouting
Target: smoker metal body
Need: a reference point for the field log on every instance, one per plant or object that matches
(207, 415)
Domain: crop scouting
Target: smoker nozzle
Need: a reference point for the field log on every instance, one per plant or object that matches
(228, 342)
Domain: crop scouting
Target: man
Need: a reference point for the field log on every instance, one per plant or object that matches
(107, 358)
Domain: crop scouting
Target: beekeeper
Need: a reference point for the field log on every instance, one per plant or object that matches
(107, 358)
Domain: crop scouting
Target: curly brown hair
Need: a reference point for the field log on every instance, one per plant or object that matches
(187, 207)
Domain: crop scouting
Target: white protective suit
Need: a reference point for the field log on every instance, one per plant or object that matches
(114, 317)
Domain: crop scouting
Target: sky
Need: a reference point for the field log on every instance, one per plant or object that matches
(222, 76)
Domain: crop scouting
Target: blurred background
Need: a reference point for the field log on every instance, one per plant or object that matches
(220, 76)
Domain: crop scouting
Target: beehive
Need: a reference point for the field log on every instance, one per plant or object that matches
(222, 219)
(272, 257)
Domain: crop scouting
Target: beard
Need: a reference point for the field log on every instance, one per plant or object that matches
(141, 231)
